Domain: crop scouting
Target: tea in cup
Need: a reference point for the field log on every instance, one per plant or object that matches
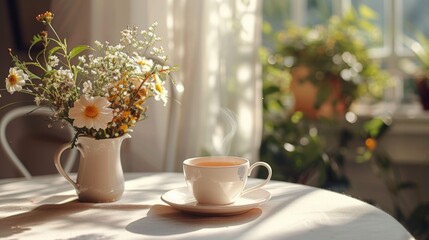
(220, 180)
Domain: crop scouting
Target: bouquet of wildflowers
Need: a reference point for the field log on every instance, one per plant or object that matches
(101, 95)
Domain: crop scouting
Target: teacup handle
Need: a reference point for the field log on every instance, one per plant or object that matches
(57, 161)
(270, 172)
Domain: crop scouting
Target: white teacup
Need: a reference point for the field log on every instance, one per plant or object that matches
(220, 180)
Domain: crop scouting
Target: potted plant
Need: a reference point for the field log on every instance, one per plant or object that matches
(323, 69)
(327, 67)
(421, 50)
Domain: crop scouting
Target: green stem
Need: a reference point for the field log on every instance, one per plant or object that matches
(63, 46)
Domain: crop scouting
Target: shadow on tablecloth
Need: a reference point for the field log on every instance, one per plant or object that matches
(163, 220)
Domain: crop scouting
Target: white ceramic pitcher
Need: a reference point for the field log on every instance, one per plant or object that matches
(100, 177)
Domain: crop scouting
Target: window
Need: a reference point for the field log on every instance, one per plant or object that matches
(398, 21)
(414, 17)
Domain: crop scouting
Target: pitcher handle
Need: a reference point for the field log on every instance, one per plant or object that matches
(264, 182)
(57, 161)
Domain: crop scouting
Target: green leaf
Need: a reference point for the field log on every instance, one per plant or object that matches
(350, 15)
(75, 51)
(270, 90)
(266, 27)
(366, 156)
(421, 48)
(367, 12)
(53, 50)
(374, 126)
(36, 38)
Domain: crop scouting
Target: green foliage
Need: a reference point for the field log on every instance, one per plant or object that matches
(376, 127)
(421, 50)
(291, 149)
(337, 50)
(294, 146)
(418, 221)
(296, 152)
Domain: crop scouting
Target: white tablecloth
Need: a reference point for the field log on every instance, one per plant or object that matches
(46, 208)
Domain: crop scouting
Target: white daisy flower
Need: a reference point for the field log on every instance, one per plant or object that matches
(144, 63)
(93, 112)
(160, 92)
(15, 80)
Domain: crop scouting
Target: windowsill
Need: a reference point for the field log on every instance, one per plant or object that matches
(406, 142)
(407, 118)
(403, 110)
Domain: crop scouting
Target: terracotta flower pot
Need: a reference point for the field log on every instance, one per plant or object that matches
(305, 96)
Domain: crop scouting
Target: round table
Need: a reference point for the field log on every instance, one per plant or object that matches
(45, 207)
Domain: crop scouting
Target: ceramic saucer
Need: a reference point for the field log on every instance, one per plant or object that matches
(183, 200)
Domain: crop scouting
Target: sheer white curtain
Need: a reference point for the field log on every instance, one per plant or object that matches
(214, 43)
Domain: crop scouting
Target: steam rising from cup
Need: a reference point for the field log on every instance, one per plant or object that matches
(224, 132)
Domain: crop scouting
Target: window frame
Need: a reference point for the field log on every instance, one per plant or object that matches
(390, 54)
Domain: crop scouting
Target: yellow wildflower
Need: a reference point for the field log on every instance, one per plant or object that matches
(45, 18)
